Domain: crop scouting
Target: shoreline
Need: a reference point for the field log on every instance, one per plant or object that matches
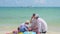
(5, 29)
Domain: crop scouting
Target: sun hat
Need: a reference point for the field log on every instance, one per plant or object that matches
(27, 22)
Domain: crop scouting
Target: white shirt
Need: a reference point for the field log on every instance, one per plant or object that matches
(42, 25)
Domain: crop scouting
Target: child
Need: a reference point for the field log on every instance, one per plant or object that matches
(23, 27)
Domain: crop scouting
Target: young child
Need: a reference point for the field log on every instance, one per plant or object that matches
(23, 27)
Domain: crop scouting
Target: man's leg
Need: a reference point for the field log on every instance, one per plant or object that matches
(43, 33)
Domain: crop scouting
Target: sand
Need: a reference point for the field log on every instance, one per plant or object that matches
(5, 29)
(50, 32)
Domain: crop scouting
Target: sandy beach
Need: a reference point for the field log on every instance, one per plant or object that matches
(50, 32)
(5, 29)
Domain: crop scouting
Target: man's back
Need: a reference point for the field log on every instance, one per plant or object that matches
(43, 24)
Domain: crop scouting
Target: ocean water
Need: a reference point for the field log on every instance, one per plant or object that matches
(12, 17)
(17, 15)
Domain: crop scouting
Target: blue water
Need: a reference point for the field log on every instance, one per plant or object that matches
(17, 15)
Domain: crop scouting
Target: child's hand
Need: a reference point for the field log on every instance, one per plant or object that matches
(29, 29)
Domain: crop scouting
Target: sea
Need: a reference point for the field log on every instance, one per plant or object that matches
(14, 16)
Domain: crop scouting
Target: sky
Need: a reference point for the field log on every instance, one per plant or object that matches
(29, 3)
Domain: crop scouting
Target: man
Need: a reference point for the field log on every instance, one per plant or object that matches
(23, 27)
(39, 25)
(42, 25)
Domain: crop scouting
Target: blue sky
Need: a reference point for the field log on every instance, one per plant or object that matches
(29, 3)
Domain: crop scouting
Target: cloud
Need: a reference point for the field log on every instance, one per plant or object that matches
(24, 2)
(33, 3)
(40, 1)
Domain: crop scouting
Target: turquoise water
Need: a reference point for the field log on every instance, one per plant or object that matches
(15, 15)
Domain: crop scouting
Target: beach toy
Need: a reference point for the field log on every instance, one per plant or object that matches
(20, 33)
(30, 32)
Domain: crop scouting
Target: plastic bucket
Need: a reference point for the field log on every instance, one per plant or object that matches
(29, 33)
(20, 33)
